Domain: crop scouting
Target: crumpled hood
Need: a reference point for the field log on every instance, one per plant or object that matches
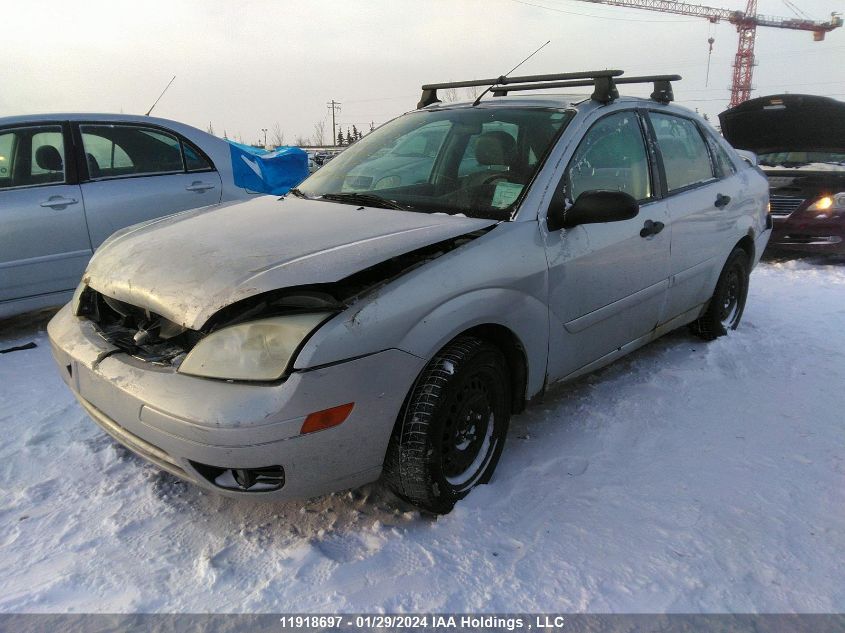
(784, 123)
(188, 266)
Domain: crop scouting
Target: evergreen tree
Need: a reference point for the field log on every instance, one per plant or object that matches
(355, 132)
(349, 139)
(340, 137)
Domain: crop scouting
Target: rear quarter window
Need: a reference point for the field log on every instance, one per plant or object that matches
(686, 158)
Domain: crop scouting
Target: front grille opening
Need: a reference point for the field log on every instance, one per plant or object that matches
(785, 205)
(264, 479)
(138, 332)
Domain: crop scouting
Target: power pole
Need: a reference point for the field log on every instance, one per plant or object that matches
(334, 106)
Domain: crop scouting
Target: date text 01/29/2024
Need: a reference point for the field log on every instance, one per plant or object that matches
(380, 621)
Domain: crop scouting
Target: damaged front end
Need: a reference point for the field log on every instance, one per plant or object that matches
(150, 337)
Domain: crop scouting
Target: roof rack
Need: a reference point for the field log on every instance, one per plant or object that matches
(429, 91)
(603, 82)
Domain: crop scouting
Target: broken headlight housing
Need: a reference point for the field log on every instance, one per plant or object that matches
(259, 350)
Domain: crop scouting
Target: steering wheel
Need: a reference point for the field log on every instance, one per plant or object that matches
(500, 176)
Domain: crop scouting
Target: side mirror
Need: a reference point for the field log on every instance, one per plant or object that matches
(592, 207)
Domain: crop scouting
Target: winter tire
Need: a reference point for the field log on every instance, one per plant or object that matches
(452, 427)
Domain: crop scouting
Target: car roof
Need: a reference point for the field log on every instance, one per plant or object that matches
(89, 116)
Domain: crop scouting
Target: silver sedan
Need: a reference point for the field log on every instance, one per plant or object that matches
(288, 348)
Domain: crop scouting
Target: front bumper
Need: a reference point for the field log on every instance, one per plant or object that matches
(175, 420)
(808, 236)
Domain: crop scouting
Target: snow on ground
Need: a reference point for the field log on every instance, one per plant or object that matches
(688, 477)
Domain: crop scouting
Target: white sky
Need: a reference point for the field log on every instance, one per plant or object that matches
(247, 64)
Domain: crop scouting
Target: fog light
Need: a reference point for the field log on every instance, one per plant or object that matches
(265, 479)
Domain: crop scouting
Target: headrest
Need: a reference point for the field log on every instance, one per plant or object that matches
(48, 158)
(494, 148)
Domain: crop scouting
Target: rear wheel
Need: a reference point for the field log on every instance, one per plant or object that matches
(728, 302)
(452, 428)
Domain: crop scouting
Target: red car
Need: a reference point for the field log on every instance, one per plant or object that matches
(800, 144)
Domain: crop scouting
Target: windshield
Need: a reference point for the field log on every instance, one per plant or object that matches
(470, 161)
(810, 161)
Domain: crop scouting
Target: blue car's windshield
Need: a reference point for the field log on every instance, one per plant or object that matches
(472, 161)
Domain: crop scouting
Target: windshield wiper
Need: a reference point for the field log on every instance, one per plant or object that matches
(366, 199)
(296, 192)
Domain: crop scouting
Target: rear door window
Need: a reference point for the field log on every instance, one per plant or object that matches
(113, 151)
(686, 159)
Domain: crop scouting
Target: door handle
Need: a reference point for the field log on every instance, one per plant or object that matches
(722, 201)
(651, 228)
(54, 202)
(199, 187)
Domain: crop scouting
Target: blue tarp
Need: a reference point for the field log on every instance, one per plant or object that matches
(275, 172)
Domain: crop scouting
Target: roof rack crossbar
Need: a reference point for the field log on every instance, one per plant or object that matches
(605, 87)
(603, 94)
(662, 93)
(429, 91)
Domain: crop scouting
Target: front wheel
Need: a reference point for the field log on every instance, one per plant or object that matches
(728, 302)
(452, 428)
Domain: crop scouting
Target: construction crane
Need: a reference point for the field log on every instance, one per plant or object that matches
(746, 23)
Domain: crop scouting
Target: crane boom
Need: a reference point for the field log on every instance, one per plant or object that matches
(746, 23)
(715, 14)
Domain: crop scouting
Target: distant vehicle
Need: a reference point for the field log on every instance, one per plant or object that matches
(800, 145)
(313, 343)
(312, 163)
(321, 158)
(68, 181)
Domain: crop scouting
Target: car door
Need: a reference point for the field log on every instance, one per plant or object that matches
(607, 281)
(44, 244)
(702, 194)
(137, 172)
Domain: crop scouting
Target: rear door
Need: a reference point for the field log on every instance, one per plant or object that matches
(607, 282)
(702, 194)
(137, 172)
(44, 244)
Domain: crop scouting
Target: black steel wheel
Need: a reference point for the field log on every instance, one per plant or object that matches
(452, 428)
(728, 302)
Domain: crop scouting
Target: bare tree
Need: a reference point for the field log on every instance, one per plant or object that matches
(472, 92)
(210, 129)
(277, 136)
(450, 94)
(301, 141)
(319, 133)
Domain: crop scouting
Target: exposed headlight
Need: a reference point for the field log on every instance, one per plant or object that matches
(255, 350)
(829, 204)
